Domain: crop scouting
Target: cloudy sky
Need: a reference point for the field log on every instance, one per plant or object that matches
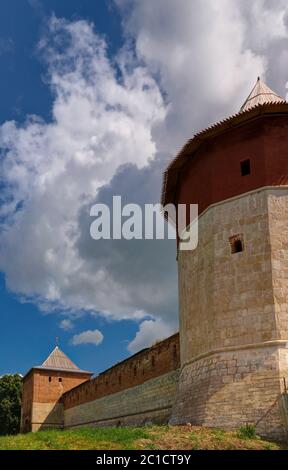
(96, 97)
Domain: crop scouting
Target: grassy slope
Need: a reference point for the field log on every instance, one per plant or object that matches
(152, 437)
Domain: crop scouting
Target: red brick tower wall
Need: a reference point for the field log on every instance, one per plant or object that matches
(213, 174)
(27, 401)
(41, 397)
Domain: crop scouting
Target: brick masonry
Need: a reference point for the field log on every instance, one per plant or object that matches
(233, 315)
(148, 364)
(41, 397)
(142, 404)
(212, 174)
(143, 387)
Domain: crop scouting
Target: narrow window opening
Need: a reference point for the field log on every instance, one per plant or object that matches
(245, 168)
(153, 361)
(135, 371)
(174, 351)
(60, 379)
(236, 244)
(50, 378)
(119, 379)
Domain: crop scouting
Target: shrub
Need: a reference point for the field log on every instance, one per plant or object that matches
(10, 404)
(248, 431)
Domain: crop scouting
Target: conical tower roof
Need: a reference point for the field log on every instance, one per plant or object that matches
(58, 360)
(261, 94)
(262, 101)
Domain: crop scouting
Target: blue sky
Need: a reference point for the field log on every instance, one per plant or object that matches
(96, 97)
(21, 22)
(27, 336)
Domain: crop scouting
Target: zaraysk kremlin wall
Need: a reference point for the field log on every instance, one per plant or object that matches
(140, 390)
(233, 297)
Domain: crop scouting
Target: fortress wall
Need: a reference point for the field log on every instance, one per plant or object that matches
(229, 389)
(138, 389)
(233, 315)
(278, 230)
(227, 299)
(150, 402)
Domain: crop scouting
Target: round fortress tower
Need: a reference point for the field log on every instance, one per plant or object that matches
(233, 288)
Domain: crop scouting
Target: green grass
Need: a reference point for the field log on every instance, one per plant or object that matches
(84, 438)
(247, 432)
(129, 438)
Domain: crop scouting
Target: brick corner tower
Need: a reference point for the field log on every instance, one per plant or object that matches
(43, 387)
(233, 288)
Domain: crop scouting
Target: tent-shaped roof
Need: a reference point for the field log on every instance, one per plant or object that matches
(262, 101)
(261, 94)
(58, 360)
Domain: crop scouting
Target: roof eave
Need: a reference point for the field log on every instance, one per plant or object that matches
(73, 371)
(220, 127)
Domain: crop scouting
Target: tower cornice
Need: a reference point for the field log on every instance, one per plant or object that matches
(193, 145)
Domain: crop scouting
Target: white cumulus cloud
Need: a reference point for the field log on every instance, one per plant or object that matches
(103, 116)
(116, 121)
(66, 324)
(88, 337)
(149, 332)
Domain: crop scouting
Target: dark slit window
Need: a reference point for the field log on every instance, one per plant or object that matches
(245, 168)
(174, 351)
(236, 244)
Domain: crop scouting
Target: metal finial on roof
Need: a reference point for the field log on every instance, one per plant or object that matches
(262, 100)
(57, 341)
(261, 94)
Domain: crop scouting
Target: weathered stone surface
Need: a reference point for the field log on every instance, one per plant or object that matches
(149, 402)
(214, 393)
(233, 315)
(47, 415)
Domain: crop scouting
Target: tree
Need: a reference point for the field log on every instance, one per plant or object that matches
(10, 404)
